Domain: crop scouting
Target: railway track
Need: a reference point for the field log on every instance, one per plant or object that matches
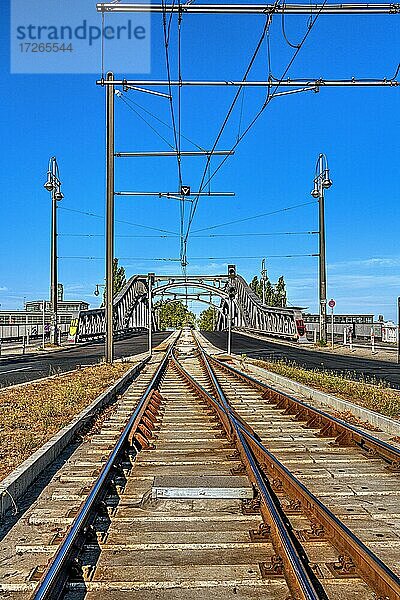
(204, 483)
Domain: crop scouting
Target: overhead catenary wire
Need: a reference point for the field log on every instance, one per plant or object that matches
(226, 119)
(270, 96)
(176, 129)
(259, 216)
(283, 28)
(129, 101)
(91, 214)
(122, 97)
(182, 215)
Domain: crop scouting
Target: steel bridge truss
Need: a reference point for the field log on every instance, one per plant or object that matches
(235, 297)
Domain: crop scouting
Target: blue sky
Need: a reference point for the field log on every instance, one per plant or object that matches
(273, 168)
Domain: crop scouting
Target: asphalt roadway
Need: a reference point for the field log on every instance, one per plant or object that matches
(19, 369)
(357, 367)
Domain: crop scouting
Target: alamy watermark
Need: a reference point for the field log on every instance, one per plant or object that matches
(70, 36)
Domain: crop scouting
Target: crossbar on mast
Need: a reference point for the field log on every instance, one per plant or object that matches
(312, 83)
(175, 153)
(253, 9)
(174, 194)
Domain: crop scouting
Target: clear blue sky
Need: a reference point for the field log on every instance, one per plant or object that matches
(273, 168)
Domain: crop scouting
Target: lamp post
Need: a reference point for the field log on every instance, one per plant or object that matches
(322, 182)
(53, 185)
(263, 278)
(150, 283)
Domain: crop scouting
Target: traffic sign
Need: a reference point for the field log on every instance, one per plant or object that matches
(185, 190)
(332, 303)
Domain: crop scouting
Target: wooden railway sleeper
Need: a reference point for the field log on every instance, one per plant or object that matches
(368, 566)
(318, 419)
(354, 555)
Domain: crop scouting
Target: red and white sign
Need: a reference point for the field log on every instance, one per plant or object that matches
(331, 303)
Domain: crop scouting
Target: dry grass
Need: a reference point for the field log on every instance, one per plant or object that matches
(32, 414)
(372, 394)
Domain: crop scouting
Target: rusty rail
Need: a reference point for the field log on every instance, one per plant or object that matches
(315, 418)
(355, 556)
(288, 559)
(139, 427)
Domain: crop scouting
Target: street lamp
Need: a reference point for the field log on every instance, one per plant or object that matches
(97, 290)
(53, 185)
(322, 182)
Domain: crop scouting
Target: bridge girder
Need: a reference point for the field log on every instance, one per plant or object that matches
(131, 309)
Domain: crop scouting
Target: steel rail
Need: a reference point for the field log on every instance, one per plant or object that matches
(371, 568)
(378, 575)
(297, 572)
(47, 588)
(330, 426)
(255, 9)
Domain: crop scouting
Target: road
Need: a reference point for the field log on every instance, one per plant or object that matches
(309, 359)
(19, 369)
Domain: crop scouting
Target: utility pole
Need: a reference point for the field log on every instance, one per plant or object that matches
(231, 293)
(109, 295)
(322, 182)
(150, 282)
(263, 278)
(229, 349)
(398, 330)
(44, 324)
(53, 185)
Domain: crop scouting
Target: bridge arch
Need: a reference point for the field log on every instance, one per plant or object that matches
(131, 306)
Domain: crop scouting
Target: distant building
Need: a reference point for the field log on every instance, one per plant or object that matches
(17, 323)
(360, 326)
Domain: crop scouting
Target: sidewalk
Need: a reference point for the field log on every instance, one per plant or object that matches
(381, 353)
(11, 349)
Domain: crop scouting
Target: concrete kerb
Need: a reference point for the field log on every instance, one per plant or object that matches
(322, 399)
(18, 482)
(124, 359)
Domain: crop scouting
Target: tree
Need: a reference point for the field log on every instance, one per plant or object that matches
(280, 292)
(254, 284)
(275, 295)
(207, 319)
(119, 280)
(173, 314)
(118, 277)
